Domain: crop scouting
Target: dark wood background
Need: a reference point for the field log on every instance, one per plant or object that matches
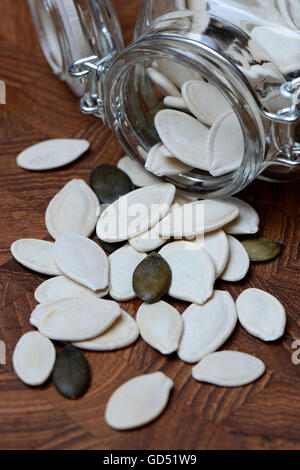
(264, 415)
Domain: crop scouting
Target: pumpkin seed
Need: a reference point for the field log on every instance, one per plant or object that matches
(110, 183)
(150, 240)
(163, 83)
(138, 176)
(226, 145)
(205, 101)
(184, 136)
(122, 264)
(110, 248)
(150, 126)
(72, 374)
(175, 102)
(207, 327)
(239, 262)
(217, 246)
(261, 314)
(138, 402)
(193, 271)
(162, 165)
(119, 221)
(178, 73)
(161, 326)
(121, 334)
(82, 260)
(52, 154)
(248, 220)
(75, 319)
(152, 278)
(75, 209)
(34, 358)
(228, 369)
(61, 287)
(36, 255)
(262, 249)
(197, 218)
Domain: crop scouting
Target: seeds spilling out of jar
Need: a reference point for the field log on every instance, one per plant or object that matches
(34, 358)
(228, 369)
(262, 249)
(52, 154)
(261, 314)
(161, 326)
(110, 183)
(152, 278)
(75, 209)
(72, 374)
(139, 401)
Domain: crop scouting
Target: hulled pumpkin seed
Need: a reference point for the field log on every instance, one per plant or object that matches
(34, 358)
(149, 121)
(262, 249)
(152, 278)
(112, 247)
(136, 173)
(71, 375)
(138, 402)
(110, 183)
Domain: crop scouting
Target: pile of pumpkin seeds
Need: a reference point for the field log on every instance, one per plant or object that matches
(168, 249)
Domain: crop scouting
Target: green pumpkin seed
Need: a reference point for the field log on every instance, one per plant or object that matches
(150, 116)
(110, 183)
(71, 375)
(112, 247)
(152, 278)
(262, 249)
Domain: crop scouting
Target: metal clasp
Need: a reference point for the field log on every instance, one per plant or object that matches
(92, 102)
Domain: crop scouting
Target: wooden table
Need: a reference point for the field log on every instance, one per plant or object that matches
(264, 415)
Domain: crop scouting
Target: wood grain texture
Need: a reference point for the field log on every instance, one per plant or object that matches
(263, 415)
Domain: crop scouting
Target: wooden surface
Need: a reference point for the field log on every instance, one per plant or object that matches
(264, 415)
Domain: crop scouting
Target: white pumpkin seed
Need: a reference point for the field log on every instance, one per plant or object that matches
(207, 327)
(82, 260)
(197, 218)
(178, 73)
(75, 209)
(135, 213)
(261, 314)
(175, 102)
(37, 255)
(138, 402)
(193, 271)
(281, 44)
(205, 101)
(161, 165)
(123, 263)
(184, 136)
(248, 220)
(161, 326)
(52, 154)
(121, 334)
(61, 287)
(150, 240)
(163, 83)
(217, 246)
(75, 319)
(226, 145)
(34, 359)
(138, 176)
(229, 369)
(239, 262)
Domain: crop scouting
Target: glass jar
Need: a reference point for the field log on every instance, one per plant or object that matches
(247, 49)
